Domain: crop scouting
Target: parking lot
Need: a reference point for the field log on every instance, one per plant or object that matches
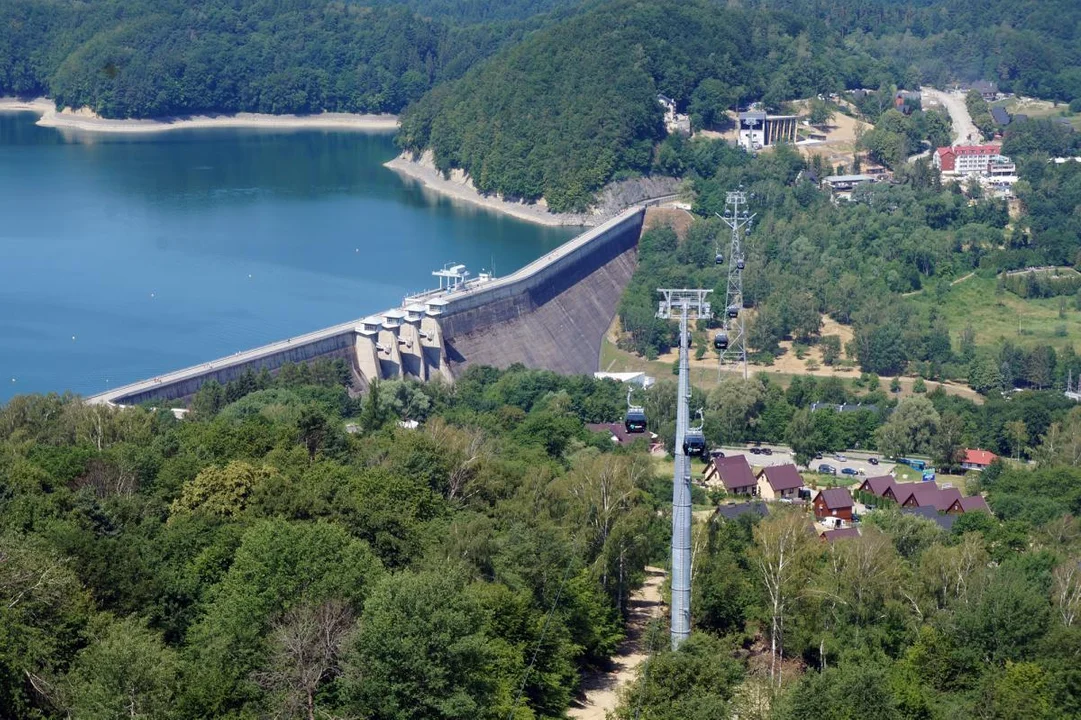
(858, 461)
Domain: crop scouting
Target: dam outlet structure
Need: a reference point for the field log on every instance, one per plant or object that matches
(551, 314)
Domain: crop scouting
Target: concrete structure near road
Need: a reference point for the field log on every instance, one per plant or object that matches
(973, 160)
(779, 481)
(734, 473)
(552, 314)
(758, 129)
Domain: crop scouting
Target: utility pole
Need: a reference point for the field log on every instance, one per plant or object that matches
(684, 305)
(739, 220)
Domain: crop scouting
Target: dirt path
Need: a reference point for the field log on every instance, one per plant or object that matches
(964, 131)
(601, 689)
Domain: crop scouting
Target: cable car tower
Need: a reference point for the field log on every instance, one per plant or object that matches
(684, 305)
(731, 341)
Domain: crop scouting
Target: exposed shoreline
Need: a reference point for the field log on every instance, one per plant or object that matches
(87, 121)
(460, 187)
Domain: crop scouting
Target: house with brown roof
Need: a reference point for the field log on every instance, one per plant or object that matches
(900, 492)
(839, 533)
(977, 459)
(833, 502)
(975, 503)
(876, 486)
(734, 473)
(779, 481)
(926, 495)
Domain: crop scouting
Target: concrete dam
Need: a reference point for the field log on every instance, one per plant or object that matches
(551, 314)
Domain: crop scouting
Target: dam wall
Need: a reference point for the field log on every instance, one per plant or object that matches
(551, 314)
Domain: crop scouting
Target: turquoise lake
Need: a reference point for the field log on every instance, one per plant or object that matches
(125, 256)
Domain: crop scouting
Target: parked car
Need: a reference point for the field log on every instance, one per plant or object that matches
(840, 457)
(716, 453)
(849, 471)
(767, 451)
(873, 461)
(827, 469)
(818, 456)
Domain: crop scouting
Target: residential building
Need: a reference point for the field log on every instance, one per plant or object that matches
(943, 521)
(675, 122)
(900, 492)
(734, 473)
(833, 502)
(977, 459)
(975, 503)
(987, 89)
(1000, 116)
(732, 512)
(758, 130)
(839, 534)
(618, 431)
(972, 159)
(875, 486)
(845, 183)
(907, 102)
(779, 481)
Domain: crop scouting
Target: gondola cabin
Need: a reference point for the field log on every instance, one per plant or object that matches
(739, 264)
(694, 443)
(733, 311)
(720, 341)
(719, 259)
(635, 420)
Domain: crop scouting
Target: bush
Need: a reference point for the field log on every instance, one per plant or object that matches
(1075, 105)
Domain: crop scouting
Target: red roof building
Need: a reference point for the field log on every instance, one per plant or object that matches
(833, 502)
(976, 503)
(779, 481)
(735, 474)
(901, 492)
(966, 159)
(977, 459)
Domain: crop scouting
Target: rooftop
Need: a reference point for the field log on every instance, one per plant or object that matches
(731, 512)
(734, 472)
(782, 477)
(836, 498)
(840, 533)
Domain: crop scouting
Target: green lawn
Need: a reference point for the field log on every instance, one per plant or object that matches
(1041, 109)
(997, 316)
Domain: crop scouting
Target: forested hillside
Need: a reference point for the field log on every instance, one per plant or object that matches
(574, 105)
(258, 559)
(884, 263)
(151, 58)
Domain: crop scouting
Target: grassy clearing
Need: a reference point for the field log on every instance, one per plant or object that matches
(1040, 109)
(998, 316)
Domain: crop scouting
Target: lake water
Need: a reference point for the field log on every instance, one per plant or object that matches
(122, 257)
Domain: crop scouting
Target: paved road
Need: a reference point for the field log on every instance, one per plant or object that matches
(954, 102)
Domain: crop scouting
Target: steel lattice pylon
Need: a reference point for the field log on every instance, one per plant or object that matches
(684, 305)
(739, 220)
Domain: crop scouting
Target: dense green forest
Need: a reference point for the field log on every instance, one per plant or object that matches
(574, 105)
(260, 559)
(172, 57)
(552, 117)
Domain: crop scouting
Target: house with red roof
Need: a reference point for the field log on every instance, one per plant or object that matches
(977, 459)
(975, 503)
(734, 473)
(833, 502)
(970, 159)
(779, 481)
